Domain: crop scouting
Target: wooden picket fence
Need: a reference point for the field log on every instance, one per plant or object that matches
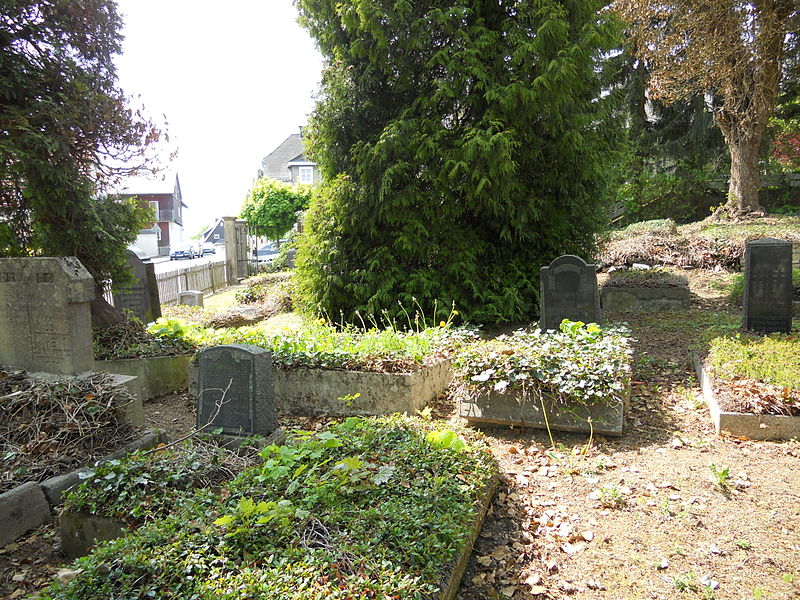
(206, 278)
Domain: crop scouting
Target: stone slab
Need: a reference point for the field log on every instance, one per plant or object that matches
(608, 416)
(644, 299)
(45, 318)
(80, 532)
(22, 509)
(755, 427)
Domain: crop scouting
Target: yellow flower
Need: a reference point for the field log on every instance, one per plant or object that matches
(442, 324)
(455, 313)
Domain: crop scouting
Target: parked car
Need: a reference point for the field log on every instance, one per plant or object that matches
(185, 250)
(209, 248)
(268, 252)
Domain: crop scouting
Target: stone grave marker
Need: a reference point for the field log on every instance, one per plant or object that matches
(568, 291)
(767, 301)
(141, 298)
(248, 406)
(45, 317)
(190, 298)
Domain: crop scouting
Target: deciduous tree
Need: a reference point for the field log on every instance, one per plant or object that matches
(66, 131)
(271, 206)
(731, 49)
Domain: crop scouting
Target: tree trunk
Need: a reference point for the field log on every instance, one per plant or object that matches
(743, 188)
(104, 315)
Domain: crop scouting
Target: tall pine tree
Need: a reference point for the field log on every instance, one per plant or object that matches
(464, 143)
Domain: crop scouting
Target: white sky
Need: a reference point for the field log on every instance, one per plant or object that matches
(233, 79)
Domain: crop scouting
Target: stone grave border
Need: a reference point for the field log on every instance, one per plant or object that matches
(495, 408)
(313, 391)
(156, 375)
(79, 530)
(29, 505)
(643, 299)
(750, 425)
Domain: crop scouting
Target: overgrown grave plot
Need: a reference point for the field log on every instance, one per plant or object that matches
(576, 379)
(644, 290)
(123, 494)
(320, 368)
(369, 508)
(751, 383)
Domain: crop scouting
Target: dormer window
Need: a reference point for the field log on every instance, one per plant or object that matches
(306, 175)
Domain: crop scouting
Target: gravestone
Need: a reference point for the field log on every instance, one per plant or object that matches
(190, 298)
(767, 299)
(568, 291)
(141, 298)
(248, 405)
(45, 317)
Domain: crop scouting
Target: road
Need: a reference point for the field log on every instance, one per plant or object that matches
(166, 265)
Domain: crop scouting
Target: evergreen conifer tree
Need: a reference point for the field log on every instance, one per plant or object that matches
(464, 144)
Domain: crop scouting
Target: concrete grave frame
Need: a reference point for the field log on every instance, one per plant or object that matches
(156, 375)
(755, 427)
(643, 299)
(607, 414)
(307, 391)
(29, 505)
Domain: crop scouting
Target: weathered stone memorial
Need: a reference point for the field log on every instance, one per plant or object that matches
(190, 298)
(767, 299)
(141, 298)
(45, 317)
(234, 390)
(568, 291)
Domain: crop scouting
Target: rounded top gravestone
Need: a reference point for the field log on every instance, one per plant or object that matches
(568, 291)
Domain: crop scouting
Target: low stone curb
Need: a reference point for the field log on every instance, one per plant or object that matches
(22, 509)
(608, 415)
(27, 506)
(156, 375)
(755, 427)
(453, 581)
(643, 299)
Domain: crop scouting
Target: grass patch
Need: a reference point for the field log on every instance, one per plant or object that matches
(772, 359)
(653, 227)
(777, 226)
(371, 508)
(735, 289)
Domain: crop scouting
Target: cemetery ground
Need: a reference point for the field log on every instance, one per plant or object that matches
(670, 510)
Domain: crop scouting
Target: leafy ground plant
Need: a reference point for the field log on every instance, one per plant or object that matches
(145, 486)
(321, 345)
(370, 508)
(580, 363)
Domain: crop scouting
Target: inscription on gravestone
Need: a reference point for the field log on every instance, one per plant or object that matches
(767, 302)
(568, 291)
(141, 298)
(45, 318)
(248, 405)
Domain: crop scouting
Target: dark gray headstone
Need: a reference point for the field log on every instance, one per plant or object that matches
(768, 286)
(248, 406)
(141, 298)
(568, 291)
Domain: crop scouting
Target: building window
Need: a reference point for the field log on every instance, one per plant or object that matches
(307, 175)
(216, 236)
(154, 208)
